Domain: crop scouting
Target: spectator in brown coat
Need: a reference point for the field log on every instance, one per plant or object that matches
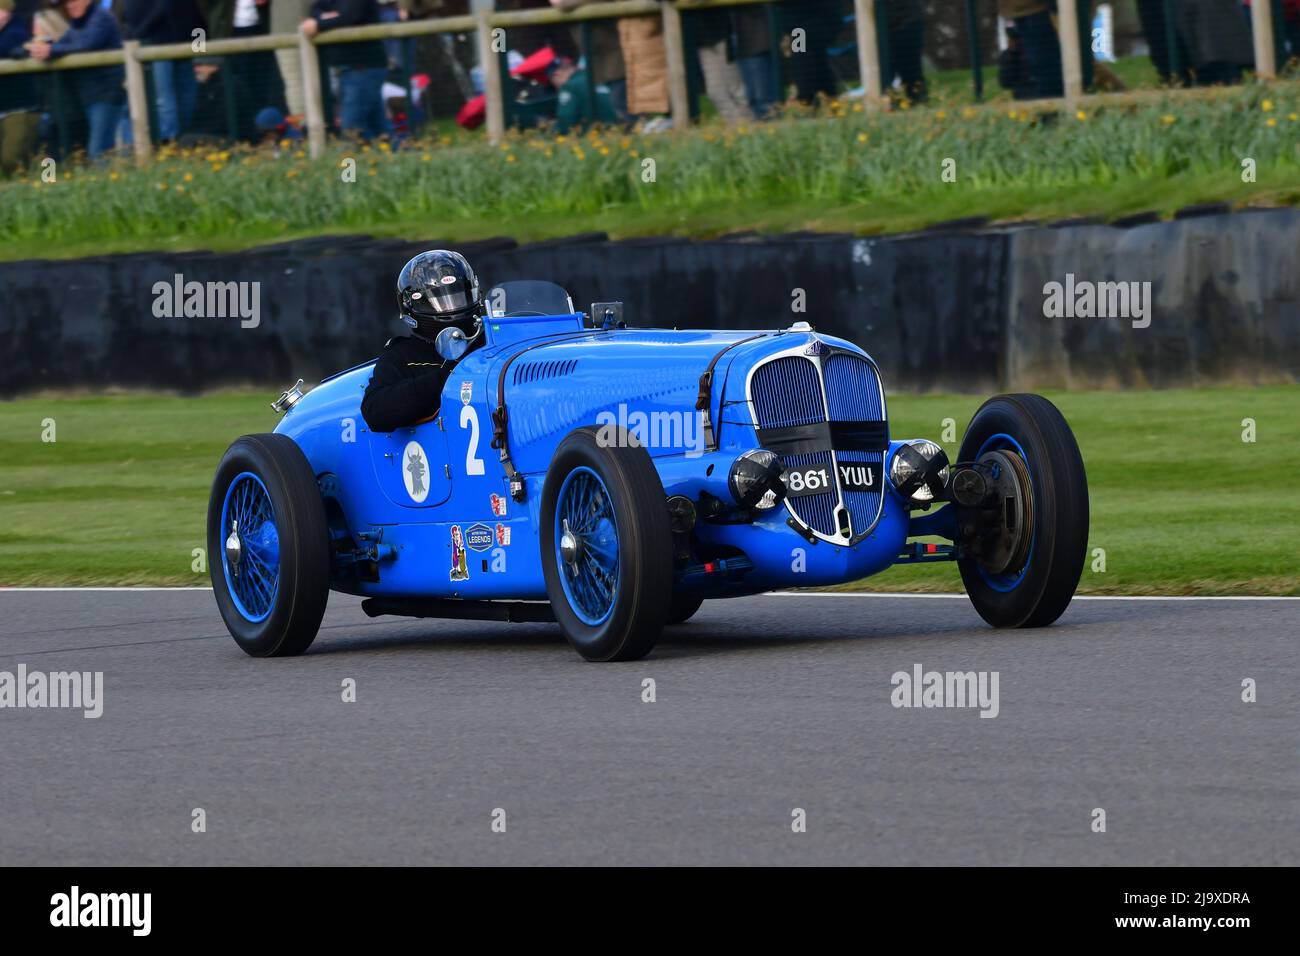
(646, 59)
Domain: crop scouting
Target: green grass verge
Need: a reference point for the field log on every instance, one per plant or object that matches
(1180, 504)
(844, 170)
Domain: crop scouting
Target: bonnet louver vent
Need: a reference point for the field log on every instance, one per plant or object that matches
(535, 371)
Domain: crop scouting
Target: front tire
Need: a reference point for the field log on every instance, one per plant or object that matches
(1026, 575)
(606, 546)
(268, 546)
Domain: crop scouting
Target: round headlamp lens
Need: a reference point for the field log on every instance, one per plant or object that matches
(755, 480)
(919, 470)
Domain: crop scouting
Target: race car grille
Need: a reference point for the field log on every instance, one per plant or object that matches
(852, 389)
(853, 393)
(816, 511)
(787, 393)
(827, 409)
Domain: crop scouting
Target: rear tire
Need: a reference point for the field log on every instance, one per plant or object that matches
(1036, 589)
(272, 585)
(611, 585)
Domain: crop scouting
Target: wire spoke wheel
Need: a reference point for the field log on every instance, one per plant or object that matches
(250, 559)
(587, 545)
(606, 547)
(266, 521)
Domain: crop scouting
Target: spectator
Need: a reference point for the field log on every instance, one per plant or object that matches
(389, 12)
(444, 59)
(1039, 47)
(573, 108)
(285, 17)
(645, 58)
(90, 27)
(605, 58)
(274, 128)
(1217, 39)
(19, 117)
(219, 15)
(1156, 30)
(821, 22)
(255, 76)
(1291, 26)
(754, 58)
(362, 67)
(714, 36)
(527, 40)
(905, 31)
(155, 22)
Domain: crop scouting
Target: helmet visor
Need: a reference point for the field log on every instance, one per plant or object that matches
(446, 299)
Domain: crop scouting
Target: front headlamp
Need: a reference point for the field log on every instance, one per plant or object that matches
(919, 470)
(756, 480)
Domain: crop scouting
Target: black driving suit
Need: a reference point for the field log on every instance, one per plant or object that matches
(406, 384)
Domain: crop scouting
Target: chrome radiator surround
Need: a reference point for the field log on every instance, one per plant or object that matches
(779, 392)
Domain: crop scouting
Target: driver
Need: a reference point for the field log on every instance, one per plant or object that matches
(437, 290)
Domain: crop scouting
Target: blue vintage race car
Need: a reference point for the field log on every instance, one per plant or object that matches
(612, 478)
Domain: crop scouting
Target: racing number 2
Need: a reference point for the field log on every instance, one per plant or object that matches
(469, 419)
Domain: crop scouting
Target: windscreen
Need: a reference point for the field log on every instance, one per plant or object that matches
(528, 297)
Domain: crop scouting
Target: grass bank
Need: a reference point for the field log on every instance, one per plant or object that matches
(844, 170)
(1180, 504)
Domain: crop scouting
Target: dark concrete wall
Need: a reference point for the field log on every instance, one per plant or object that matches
(955, 309)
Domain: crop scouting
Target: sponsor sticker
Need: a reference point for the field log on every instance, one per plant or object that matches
(448, 280)
(466, 392)
(478, 537)
(503, 534)
(499, 505)
(415, 471)
(459, 568)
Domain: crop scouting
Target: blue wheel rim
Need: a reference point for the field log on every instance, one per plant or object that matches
(591, 581)
(254, 581)
(1009, 581)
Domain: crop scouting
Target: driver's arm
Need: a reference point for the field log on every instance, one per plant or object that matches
(405, 387)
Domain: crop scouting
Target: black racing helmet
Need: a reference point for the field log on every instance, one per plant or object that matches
(438, 289)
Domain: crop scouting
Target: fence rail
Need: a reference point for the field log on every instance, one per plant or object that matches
(132, 56)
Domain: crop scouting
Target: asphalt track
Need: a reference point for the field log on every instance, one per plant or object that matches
(763, 705)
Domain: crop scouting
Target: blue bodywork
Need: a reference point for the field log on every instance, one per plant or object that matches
(427, 511)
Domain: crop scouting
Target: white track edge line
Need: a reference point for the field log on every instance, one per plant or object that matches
(831, 594)
(1077, 597)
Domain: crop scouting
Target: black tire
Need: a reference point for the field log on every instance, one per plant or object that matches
(645, 567)
(1059, 507)
(302, 589)
(683, 608)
